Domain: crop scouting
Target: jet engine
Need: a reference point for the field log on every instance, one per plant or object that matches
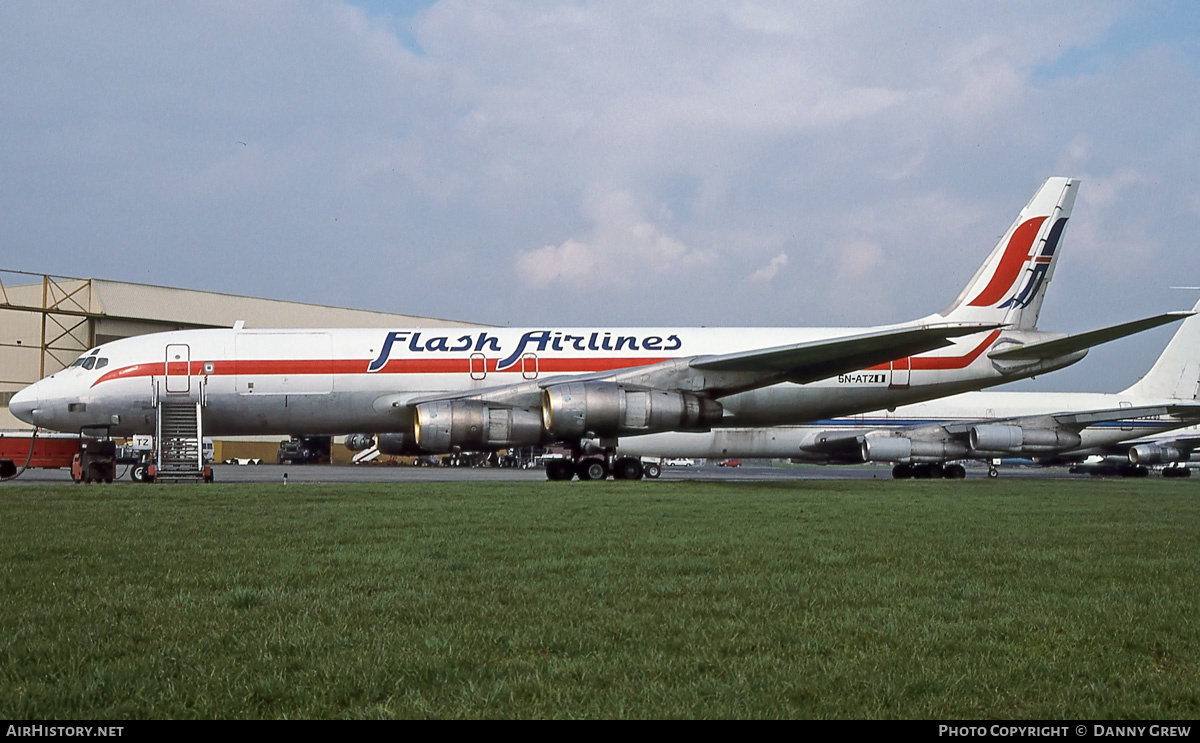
(904, 449)
(999, 437)
(394, 444)
(1156, 454)
(360, 441)
(397, 444)
(605, 409)
(470, 425)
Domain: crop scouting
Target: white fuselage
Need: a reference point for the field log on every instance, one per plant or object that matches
(334, 381)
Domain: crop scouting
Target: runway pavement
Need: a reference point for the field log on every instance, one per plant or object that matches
(265, 473)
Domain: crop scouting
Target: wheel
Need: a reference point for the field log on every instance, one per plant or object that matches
(954, 472)
(627, 468)
(592, 469)
(137, 472)
(651, 470)
(559, 469)
(7, 469)
(902, 472)
(993, 472)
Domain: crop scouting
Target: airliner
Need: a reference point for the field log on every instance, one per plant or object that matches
(437, 390)
(1127, 429)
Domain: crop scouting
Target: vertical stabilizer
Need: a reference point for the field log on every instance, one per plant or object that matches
(1011, 284)
(1176, 374)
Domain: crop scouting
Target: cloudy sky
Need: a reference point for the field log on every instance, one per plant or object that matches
(607, 163)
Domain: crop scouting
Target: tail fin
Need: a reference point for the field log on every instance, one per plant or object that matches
(1176, 374)
(1011, 284)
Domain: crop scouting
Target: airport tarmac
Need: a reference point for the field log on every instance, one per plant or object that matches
(265, 473)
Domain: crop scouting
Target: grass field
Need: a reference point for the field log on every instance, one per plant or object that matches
(975, 599)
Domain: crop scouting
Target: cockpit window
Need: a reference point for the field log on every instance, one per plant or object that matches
(90, 362)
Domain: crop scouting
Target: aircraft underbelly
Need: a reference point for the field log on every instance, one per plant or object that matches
(333, 413)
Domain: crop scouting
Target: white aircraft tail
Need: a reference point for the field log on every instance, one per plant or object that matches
(1176, 374)
(1011, 284)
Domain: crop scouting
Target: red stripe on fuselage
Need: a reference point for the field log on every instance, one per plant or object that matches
(944, 362)
(280, 367)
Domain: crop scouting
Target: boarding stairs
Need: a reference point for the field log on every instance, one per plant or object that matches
(178, 437)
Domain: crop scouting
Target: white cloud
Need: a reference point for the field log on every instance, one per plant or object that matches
(767, 272)
(622, 249)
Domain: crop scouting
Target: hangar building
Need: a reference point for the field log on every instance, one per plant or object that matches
(47, 321)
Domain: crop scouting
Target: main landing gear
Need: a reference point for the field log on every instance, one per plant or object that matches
(929, 471)
(597, 466)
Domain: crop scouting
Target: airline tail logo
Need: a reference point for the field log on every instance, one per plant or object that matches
(1016, 257)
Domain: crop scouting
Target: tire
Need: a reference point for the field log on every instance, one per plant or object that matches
(593, 470)
(902, 472)
(137, 472)
(559, 470)
(628, 468)
(7, 469)
(954, 472)
(652, 470)
(993, 473)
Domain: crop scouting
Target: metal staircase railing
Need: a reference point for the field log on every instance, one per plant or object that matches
(178, 438)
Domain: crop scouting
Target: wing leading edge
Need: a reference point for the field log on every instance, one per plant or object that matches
(808, 362)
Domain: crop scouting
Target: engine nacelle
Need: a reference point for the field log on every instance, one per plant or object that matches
(470, 425)
(999, 437)
(904, 449)
(605, 409)
(1156, 454)
(360, 441)
(398, 444)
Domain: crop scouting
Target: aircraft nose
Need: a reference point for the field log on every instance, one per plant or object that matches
(24, 404)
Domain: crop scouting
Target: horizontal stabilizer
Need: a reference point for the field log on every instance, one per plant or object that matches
(1068, 344)
(808, 362)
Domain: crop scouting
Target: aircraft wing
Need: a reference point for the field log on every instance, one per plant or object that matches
(1067, 344)
(808, 362)
(1079, 420)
